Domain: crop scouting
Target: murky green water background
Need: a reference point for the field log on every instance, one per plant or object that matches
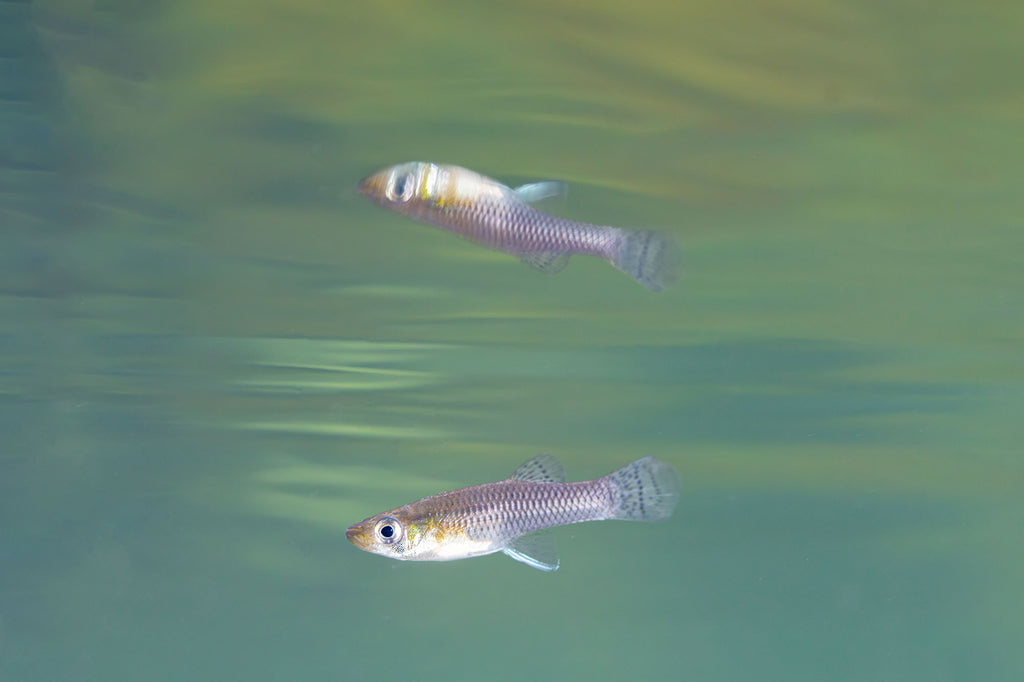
(215, 356)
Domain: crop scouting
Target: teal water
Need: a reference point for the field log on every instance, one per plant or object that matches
(214, 356)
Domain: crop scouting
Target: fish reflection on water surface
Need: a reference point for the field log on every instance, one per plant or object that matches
(505, 516)
(498, 217)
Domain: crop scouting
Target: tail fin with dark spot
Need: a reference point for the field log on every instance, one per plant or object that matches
(649, 257)
(644, 490)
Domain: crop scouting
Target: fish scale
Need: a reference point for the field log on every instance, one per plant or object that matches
(519, 229)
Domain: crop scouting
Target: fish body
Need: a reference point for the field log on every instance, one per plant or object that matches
(505, 516)
(496, 216)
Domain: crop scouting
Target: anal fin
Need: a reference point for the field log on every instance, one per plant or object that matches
(548, 262)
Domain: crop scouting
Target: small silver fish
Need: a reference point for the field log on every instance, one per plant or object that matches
(505, 516)
(493, 215)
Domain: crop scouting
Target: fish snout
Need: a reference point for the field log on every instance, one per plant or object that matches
(356, 535)
(374, 186)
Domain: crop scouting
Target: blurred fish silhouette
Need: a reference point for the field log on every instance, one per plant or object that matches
(498, 217)
(506, 516)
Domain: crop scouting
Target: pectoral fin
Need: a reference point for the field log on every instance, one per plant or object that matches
(538, 191)
(536, 549)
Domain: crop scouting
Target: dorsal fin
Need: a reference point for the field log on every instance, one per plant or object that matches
(541, 469)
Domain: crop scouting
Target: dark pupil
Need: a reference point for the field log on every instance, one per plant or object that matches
(400, 186)
(387, 531)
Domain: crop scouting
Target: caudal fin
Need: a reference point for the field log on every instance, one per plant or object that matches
(644, 490)
(649, 257)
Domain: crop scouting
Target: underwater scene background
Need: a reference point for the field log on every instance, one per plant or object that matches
(215, 356)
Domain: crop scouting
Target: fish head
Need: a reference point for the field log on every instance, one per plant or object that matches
(401, 186)
(404, 534)
(424, 191)
(399, 534)
(386, 534)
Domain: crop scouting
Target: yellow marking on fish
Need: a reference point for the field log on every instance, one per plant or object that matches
(425, 181)
(442, 198)
(437, 530)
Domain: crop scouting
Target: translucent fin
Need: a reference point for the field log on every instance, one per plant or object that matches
(541, 469)
(547, 262)
(538, 191)
(644, 490)
(651, 258)
(535, 549)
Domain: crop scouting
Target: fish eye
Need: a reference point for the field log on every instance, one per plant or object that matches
(389, 530)
(401, 187)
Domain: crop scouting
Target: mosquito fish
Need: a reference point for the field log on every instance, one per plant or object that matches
(498, 217)
(506, 516)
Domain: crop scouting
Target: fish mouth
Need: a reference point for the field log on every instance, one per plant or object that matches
(374, 185)
(354, 534)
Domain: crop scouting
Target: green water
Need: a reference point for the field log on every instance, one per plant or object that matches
(216, 356)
